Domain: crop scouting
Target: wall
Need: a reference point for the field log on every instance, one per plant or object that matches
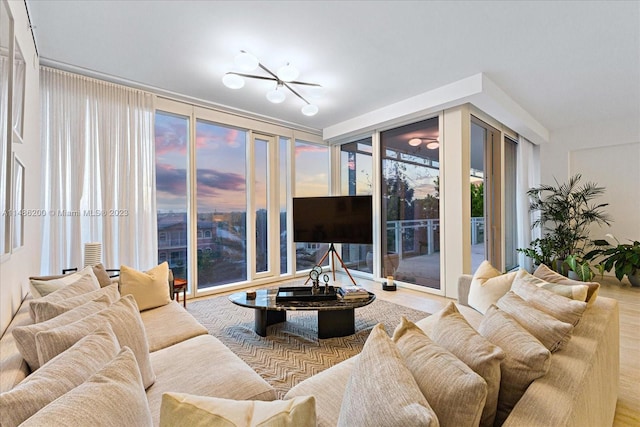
(607, 153)
(25, 261)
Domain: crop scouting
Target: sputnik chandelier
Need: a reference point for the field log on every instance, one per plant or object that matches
(283, 79)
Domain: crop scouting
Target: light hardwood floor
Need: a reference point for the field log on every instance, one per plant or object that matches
(628, 408)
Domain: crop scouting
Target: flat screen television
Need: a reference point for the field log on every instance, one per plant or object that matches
(337, 219)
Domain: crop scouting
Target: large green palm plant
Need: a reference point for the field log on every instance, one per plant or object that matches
(564, 214)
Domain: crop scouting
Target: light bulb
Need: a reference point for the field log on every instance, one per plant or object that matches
(246, 61)
(288, 73)
(276, 96)
(433, 145)
(310, 110)
(233, 81)
(414, 142)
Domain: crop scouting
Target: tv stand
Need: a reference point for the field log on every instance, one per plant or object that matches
(334, 253)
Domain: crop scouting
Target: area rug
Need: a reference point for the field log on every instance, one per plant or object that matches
(291, 351)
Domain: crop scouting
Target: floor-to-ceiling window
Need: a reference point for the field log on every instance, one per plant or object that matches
(311, 180)
(510, 212)
(356, 179)
(410, 181)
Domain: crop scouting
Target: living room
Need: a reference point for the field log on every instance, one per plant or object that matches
(579, 113)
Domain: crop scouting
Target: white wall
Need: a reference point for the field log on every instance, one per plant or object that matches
(607, 153)
(24, 262)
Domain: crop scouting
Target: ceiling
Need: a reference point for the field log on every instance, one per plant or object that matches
(566, 63)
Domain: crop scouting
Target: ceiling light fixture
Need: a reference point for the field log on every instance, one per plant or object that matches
(285, 77)
(432, 143)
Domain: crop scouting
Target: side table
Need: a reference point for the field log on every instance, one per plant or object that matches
(180, 285)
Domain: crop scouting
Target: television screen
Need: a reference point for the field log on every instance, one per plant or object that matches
(338, 219)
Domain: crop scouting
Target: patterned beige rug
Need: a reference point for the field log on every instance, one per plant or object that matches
(291, 351)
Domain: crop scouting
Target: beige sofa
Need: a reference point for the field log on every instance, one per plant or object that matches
(183, 356)
(580, 388)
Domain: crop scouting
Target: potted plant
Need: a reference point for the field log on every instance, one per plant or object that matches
(564, 213)
(623, 258)
(581, 268)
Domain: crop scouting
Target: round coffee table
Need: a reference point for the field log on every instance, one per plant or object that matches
(336, 318)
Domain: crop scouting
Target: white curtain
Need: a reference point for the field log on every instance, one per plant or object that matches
(528, 177)
(99, 175)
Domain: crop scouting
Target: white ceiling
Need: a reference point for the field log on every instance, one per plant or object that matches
(566, 63)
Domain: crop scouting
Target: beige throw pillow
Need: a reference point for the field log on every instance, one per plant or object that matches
(61, 374)
(186, 410)
(45, 310)
(113, 396)
(41, 288)
(150, 289)
(25, 336)
(526, 359)
(551, 332)
(548, 275)
(80, 285)
(452, 331)
(488, 286)
(381, 390)
(124, 318)
(455, 393)
(564, 309)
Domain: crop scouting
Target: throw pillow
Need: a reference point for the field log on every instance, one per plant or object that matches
(551, 332)
(564, 309)
(45, 310)
(526, 359)
(452, 331)
(185, 410)
(25, 336)
(124, 318)
(488, 286)
(150, 289)
(61, 374)
(41, 288)
(81, 284)
(113, 396)
(382, 391)
(455, 393)
(548, 275)
(102, 275)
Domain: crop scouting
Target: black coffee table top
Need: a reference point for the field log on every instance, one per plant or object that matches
(266, 299)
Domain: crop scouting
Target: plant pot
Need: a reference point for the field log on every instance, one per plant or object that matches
(634, 278)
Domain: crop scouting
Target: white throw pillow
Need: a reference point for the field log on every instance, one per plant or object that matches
(60, 375)
(186, 410)
(45, 310)
(149, 288)
(41, 288)
(488, 286)
(113, 396)
(382, 391)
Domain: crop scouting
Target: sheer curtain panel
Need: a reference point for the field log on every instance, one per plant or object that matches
(99, 176)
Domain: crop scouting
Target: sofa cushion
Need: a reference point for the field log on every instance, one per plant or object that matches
(149, 288)
(488, 286)
(545, 273)
(328, 388)
(113, 396)
(186, 410)
(526, 359)
(60, 375)
(124, 318)
(204, 366)
(43, 286)
(564, 309)
(102, 275)
(455, 393)
(452, 331)
(161, 333)
(386, 395)
(26, 335)
(551, 332)
(45, 310)
(70, 286)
